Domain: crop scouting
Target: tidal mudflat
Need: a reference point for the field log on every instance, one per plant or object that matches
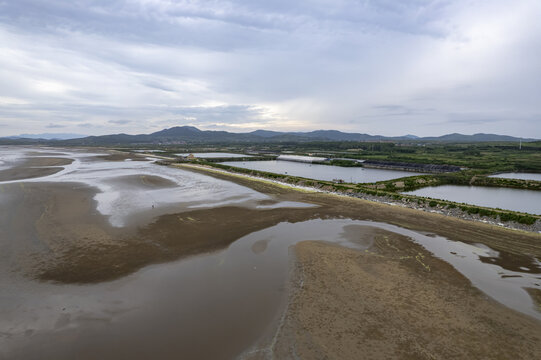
(116, 259)
(322, 172)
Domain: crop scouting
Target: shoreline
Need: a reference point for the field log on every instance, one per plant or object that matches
(455, 212)
(438, 314)
(497, 237)
(385, 280)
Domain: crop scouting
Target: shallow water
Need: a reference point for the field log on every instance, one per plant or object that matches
(130, 188)
(527, 201)
(322, 172)
(228, 299)
(520, 176)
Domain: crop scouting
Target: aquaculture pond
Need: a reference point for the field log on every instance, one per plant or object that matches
(322, 172)
(213, 155)
(527, 201)
(520, 176)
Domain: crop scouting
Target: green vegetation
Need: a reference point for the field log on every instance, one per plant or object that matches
(345, 163)
(478, 160)
(488, 157)
(386, 192)
(466, 177)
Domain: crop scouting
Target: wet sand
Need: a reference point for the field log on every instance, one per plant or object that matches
(87, 249)
(520, 243)
(34, 167)
(62, 238)
(121, 156)
(144, 181)
(407, 311)
(394, 301)
(46, 220)
(90, 250)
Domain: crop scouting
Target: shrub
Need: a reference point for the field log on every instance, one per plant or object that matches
(485, 212)
(390, 187)
(525, 219)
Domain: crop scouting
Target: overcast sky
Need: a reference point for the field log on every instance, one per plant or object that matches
(388, 67)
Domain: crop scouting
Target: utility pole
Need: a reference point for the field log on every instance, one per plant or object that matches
(520, 145)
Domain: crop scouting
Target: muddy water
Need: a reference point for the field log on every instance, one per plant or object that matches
(211, 306)
(136, 192)
(217, 305)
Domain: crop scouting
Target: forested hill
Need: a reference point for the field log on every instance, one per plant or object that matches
(190, 134)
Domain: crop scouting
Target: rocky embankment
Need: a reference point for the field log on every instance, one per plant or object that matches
(445, 210)
(412, 202)
(426, 168)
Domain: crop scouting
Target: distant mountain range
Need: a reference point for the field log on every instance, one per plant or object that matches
(47, 136)
(190, 134)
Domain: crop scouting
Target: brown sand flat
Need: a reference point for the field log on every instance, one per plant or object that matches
(144, 181)
(45, 219)
(20, 173)
(61, 237)
(39, 153)
(332, 206)
(33, 168)
(85, 248)
(169, 238)
(121, 156)
(394, 301)
(46, 161)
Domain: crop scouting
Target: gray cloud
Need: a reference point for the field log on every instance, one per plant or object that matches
(119, 122)
(54, 126)
(399, 110)
(388, 67)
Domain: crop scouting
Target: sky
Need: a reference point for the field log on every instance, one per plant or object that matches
(387, 67)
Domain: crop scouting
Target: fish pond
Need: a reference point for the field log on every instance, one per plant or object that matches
(527, 201)
(214, 155)
(520, 176)
(322, 172)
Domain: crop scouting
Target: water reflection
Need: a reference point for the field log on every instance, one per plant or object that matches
(322, 172)
(227, 299)
(520, 176)
(528, 201)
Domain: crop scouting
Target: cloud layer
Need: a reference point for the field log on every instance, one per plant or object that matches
(383, 67)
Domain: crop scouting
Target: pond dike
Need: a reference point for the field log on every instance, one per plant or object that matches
(426, 168)
(442, 207)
